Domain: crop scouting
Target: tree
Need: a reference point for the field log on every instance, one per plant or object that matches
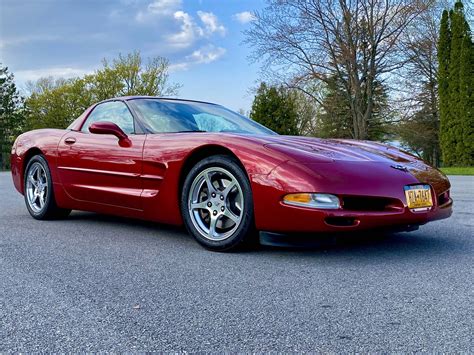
(56, 103)
(11, 115)
(127, 75)
(355, 41)
(419, 131)
(417, 94)
(444, 55)
(466, 93)
(275, 108)
(455, 82)
(307, 112)
(455, 110)
(335, 119)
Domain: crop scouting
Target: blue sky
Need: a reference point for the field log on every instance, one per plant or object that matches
(201, 38)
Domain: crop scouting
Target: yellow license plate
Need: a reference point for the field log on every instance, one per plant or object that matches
(418, 196)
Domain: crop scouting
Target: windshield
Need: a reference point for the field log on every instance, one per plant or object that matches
(167, 116)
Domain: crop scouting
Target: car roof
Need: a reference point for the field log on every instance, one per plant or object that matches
(139, 97)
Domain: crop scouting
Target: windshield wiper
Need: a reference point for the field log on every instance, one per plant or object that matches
(189, 131)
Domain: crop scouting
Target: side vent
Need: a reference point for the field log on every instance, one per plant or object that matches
(443, 198)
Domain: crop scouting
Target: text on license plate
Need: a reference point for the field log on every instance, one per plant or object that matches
(418, 196)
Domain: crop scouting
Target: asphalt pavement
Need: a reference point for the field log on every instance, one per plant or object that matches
(98, 283)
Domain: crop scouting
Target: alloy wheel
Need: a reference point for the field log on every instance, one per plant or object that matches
(36, 187)
(216, 203)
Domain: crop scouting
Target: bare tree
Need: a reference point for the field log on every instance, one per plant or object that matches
(417, 92)
(354, 40)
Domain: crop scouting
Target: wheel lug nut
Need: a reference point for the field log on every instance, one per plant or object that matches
(222, 208)
(222, 197)
(209, 204)
(214, 213)
(213, 194)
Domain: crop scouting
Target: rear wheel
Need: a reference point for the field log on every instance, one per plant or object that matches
(217, 204)
(38, 191)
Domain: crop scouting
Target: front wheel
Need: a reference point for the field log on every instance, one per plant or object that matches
(38, 191)
(217, 204)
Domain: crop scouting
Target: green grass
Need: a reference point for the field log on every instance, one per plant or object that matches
(455, 170)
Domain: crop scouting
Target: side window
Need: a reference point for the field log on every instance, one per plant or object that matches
(113, 111)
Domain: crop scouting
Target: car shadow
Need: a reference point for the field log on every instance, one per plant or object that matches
(316, 241)
(413, 244)
(423, 244)
(129, 222)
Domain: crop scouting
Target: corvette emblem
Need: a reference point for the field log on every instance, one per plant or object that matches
(399, 167)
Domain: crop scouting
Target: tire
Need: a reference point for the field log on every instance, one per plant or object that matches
(38, 191)
(220, 218)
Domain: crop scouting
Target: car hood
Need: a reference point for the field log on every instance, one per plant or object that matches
(315, 150)
(349, 153)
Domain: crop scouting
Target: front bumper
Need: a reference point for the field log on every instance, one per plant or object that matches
(297, 219)
(368, 181)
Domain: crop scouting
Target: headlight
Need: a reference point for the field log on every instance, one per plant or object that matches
(323, 201)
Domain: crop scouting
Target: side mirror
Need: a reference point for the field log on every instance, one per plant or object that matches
(106, 127)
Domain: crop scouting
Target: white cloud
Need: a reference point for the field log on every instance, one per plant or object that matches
(34, 38)
(207, 54)
(174, 67)
(164, 7)
(244, 17)
(158, 8)
(204, 55)
(177, 27)
(22, 76)
(129, 2)
(189, 31)
(211, 23)
(27, 39)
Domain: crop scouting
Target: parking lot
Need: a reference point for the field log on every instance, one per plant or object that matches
(100, 283)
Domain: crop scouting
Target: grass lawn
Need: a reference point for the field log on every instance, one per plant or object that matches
(468, 170)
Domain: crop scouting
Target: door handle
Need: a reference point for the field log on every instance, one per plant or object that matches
(70, 140)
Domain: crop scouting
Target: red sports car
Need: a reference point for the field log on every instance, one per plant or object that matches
(221, 174)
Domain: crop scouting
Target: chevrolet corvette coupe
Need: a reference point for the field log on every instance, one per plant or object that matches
(222, 175)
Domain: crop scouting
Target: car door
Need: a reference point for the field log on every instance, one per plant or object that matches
(95, 168)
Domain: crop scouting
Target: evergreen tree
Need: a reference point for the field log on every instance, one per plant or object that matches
(419, 132)
(336, 121)
(444, 55)
(11, 115)
(455, 80)
(466, 92)
(275, 108)
(455, 111)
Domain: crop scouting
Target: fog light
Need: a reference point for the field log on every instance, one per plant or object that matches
(323, 201)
